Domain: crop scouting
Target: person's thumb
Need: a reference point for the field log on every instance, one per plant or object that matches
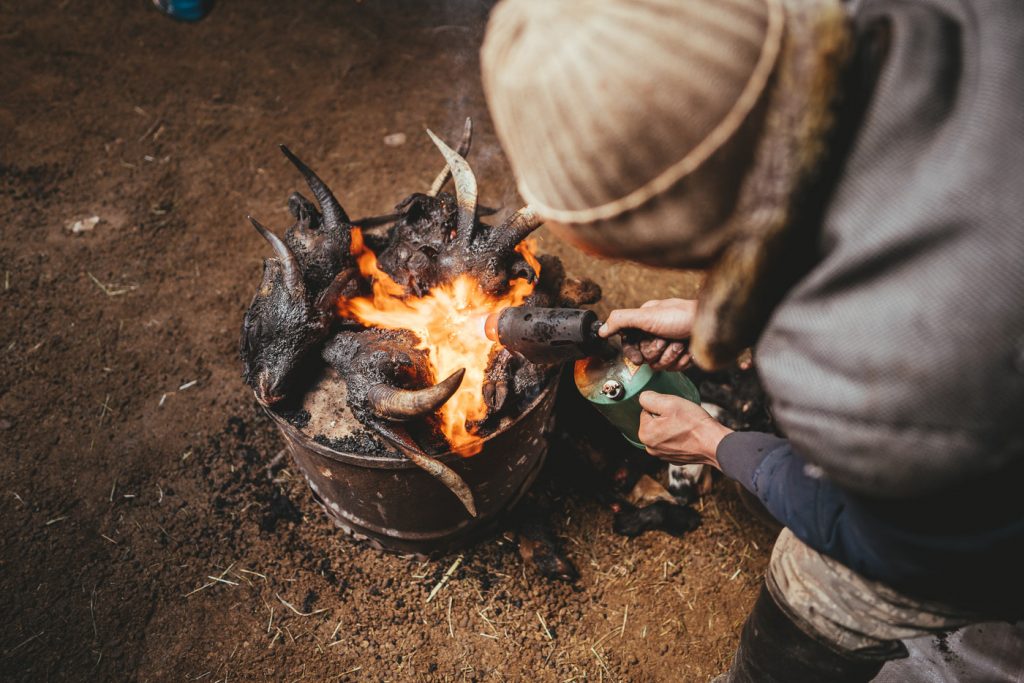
(624, 318)
(658, 404)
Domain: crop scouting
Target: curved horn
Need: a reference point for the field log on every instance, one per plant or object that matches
(292, 273)
(435, 468)
(330, 207)
(465, 188)
(516, 228)
(467, 138)
(406, 404)
(464, 145)
(344, 283)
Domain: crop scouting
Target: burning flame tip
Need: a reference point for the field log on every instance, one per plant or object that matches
(449, 322)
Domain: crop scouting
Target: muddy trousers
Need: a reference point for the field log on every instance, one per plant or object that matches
(816, 620)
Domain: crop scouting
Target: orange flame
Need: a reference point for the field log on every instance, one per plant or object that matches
(448, 321)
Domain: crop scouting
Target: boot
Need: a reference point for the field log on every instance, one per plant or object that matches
(773, 649)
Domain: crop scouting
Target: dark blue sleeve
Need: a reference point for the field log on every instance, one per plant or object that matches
(796, 493)
(877, 539)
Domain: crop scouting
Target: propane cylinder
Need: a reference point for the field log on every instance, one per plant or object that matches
(613, 386)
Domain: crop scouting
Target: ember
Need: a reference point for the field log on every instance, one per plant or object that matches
(396, 306)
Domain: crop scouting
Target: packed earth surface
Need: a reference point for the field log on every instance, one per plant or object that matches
(149, 530)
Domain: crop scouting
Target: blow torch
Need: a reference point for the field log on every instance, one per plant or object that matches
(608, 380)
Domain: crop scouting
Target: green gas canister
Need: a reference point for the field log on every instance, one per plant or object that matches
(613, 384)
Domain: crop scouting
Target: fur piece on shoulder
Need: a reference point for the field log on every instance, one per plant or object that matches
(771, 250)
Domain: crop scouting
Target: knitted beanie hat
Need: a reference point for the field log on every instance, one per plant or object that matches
(631, 123)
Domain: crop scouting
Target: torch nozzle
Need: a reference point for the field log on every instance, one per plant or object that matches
(491, 325)
(545, 335)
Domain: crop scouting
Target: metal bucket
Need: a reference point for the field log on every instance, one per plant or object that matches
(396, 506)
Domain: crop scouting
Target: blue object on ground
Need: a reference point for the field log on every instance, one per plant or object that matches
(185, 10)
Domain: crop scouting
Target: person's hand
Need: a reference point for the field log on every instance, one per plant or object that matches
(679, 431)
(667, 323)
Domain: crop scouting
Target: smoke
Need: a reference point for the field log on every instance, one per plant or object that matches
(460, 26)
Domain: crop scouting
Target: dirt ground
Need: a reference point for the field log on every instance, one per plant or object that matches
(142, 536)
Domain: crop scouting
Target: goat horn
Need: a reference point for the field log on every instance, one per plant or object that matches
(406, 404)
(327, 301)
(446, 173)
(516, 228)
(435, 468)
(465, 188)
(334, 215)
(292, 272)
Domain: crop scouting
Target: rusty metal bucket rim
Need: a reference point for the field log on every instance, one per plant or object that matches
(393, 463)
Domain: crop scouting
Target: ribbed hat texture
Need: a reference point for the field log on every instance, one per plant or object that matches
(604, 106)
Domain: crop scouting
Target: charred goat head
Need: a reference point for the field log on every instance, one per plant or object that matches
(282, 324)
(320, 239)
(438, 237)
(387, 377)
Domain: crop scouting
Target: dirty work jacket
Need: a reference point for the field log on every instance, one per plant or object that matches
(896, 364)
